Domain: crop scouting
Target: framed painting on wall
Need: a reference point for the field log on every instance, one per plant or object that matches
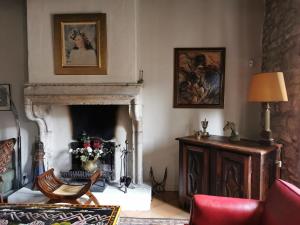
(5, 103)
(199, 75)
(80, 44)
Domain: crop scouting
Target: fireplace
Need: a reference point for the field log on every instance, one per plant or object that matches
(103, 124)
(42, 100)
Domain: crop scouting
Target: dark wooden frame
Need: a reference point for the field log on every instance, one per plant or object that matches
(101, 52)
(7, 107)
(177, 51)
(259, 166)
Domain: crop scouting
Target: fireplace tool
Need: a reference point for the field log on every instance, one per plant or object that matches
(125, 180)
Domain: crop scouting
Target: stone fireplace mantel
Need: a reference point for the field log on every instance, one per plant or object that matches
(39, 97)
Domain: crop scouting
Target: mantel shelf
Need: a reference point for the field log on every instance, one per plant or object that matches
(89, 93)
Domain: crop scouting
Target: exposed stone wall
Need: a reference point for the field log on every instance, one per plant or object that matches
(281, 52)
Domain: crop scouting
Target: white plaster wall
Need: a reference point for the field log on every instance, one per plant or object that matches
(13, 70)
(142, 34)
(164, 25)
(121, 41)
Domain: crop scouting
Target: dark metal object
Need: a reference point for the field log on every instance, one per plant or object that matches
(125, 180)
(80, 177)
(158, 186)
(204, 125)
(76, 174)
(18, 182)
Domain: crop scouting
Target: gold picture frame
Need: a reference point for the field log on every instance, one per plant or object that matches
(80, 46)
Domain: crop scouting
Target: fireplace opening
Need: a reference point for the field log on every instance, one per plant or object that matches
(109, 124)
(95, 120)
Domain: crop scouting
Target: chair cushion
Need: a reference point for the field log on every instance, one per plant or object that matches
(282, 205)
(6, 150)
(67, 190)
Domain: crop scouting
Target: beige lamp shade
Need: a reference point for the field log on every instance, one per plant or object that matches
(267, 87)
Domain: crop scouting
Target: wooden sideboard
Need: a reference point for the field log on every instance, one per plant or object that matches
(215, 166)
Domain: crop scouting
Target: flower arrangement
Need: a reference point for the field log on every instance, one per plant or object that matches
(91, 150)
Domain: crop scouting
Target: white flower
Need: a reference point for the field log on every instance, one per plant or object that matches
(83, 158)
(89, 149)
(70, 150)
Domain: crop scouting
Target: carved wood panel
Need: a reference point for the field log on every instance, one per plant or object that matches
(197, 171)
(216, 166)
(234, 179)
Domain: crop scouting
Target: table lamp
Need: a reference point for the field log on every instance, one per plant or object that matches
(266, 88)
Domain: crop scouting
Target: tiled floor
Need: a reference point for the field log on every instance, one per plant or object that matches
(164, 206)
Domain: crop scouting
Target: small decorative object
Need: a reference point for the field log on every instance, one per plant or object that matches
(80, 44)
(90, 165)
(158, 186)
(266, 88)
(89, 153)
(198, 134)
(234, 136)
(204, 125)
(199, 77)
(141, 75)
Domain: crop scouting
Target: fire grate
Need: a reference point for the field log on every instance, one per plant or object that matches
(80, 176)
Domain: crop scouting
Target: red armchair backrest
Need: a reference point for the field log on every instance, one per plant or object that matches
(216, 210)
(282, 206)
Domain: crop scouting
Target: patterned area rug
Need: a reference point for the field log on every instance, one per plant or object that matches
(57, 214)
(151, 221)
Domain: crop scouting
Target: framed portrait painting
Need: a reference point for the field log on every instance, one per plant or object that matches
(80, 44)
(199, 75)
(5, 103)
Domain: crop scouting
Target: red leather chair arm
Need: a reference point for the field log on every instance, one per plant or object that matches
(214, 210)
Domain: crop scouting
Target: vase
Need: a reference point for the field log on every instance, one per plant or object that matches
(90, 165)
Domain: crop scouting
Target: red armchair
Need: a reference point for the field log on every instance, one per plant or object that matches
(282, 207)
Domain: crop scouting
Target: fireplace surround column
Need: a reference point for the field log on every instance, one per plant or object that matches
(136, 111)
(37, 113)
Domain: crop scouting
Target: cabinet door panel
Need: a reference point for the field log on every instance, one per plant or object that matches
(233, 175)
(197, 170)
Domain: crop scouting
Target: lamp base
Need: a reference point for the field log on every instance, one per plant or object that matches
(266, 138)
